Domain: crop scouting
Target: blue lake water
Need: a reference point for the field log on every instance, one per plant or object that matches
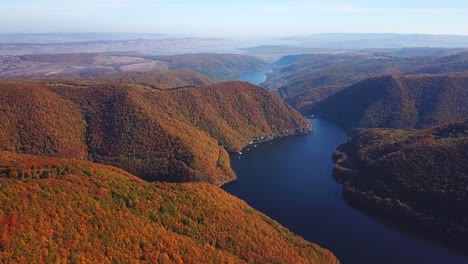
(255, 77)
(290, 180)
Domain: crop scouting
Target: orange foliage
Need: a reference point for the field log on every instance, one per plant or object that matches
(98, 213)
(166, 135)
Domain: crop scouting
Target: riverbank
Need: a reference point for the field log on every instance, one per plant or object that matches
(416, 177)
(258, 141)
(290, 181)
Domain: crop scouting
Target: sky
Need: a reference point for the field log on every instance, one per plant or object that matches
(239, 18)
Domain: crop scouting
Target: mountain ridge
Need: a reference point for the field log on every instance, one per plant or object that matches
(408, 101)
(170, 135)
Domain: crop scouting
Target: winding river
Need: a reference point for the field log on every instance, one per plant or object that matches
(290, 180)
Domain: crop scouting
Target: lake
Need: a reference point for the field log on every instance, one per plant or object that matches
(255, 77)
(290, 180)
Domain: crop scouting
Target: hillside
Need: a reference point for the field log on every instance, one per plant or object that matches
(454, 63)
(411, 101)
(58, 210)
(85, 65)
(416, 176)
(219, 66)
(173, 135)
(159, 80)
(80, 65)
(304, 102)
(295, 76)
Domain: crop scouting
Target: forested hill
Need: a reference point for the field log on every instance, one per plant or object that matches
(219, 66)
(85, 65)
(297, 74)
(174, 135)
(409, 101)
(158, 80)
(60, 210)
(417, 176)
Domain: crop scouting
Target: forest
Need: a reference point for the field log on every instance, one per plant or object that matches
(67, 210)
(416, 176)
(175, 135)
(404, 101)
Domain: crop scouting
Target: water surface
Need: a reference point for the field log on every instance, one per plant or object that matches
(290, 181)
(255, 77)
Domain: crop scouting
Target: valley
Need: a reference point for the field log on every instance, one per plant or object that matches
(117, 149)
(174, 135)
(291, 181)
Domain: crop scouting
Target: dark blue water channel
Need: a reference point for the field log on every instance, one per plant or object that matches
(290, 180)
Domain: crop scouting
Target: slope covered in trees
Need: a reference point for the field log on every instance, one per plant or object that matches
(159, 80)
(219, 66)
(61, 210)
(296, 76)
(166, 135)
(412, 101)
(417, 176)
(305, 101)
(85, 65)
(37, 120)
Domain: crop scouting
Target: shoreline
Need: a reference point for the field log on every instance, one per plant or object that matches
(298, 132)
(395, 213)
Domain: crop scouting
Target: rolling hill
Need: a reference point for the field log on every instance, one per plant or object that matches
(85, 65)
(66, 210)
(175, 135)
(296, 75)
(48, 44)
(159, 80)
(305, 101)
(416, 176)
(219, 66)
(409, 101)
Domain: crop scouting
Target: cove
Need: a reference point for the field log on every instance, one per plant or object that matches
(290, 180)
(254, 77)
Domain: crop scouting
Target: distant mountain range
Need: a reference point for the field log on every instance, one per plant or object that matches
(377, 40)
(47, 38)
(159, 46)
(148, 43)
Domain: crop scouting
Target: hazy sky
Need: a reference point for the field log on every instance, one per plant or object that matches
(235, 18)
